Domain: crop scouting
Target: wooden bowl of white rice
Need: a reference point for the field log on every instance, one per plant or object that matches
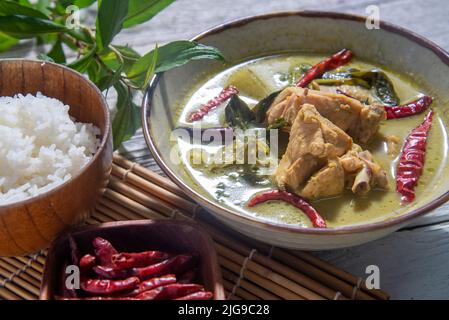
(55, 152)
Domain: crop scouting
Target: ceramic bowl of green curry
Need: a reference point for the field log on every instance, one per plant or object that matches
(349, 125)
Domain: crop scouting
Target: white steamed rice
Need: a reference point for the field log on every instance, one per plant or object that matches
(40, 146)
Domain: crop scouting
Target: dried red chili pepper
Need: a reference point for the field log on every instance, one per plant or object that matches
(127, 260)
(409, 109)
(224, 95)
(152, 284)
(297, 201)
(336, 60)
(187, 277)
(200, 295)
(170, 291)
(412, 158)
(111, 272)
(102, 286)
(176, 265)
(94, 298)
(104, 251)
(87, 262)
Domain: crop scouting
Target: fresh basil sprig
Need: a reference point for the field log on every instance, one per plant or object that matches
(108, 65)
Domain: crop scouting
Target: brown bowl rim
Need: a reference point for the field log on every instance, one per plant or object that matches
(219, 293)
(104, 139)
(205, 202)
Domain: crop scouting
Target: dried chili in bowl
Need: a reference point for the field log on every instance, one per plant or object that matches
(126, 260)
(411, 162)
(409, 109)
(224, 95)
(104, 251)
(295, 200)
(336, 60)
(147, 275)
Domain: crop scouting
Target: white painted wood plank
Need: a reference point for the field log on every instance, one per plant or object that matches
(413, 264)
(185, 18)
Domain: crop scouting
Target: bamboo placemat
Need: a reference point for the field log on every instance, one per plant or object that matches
(251, 269)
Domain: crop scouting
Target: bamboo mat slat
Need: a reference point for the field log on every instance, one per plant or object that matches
(251, 270)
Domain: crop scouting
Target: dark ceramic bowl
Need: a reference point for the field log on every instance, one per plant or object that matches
(135, 236)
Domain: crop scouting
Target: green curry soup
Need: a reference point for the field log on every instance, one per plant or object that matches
(234, 185)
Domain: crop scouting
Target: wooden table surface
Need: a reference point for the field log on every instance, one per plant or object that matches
(413, 262)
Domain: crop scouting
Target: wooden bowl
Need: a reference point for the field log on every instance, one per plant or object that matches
(30, 225)
(135, 236)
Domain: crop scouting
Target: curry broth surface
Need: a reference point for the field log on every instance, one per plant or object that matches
(234, 186)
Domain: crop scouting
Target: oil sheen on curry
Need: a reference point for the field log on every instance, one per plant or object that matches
(354, 142)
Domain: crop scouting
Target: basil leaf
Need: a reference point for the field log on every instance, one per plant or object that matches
(172, 55)
(79, 3)
(83, 63)
(237, 113)
(10, 8)
(375, 79)
(25, 3)
(44, 57)
(111, 14)
(152, 68)
(81, 35)
(178, 53)
(385, 91)
(140, 11)
(340, 73)
(22, 26)
(57, 53)
(380, 84)
(44, 6)
(108, 80)
(343, 81)
(127, 120)
(6, 41)
(261, 108)
(83, 3)
(128, 53)
(129, 56)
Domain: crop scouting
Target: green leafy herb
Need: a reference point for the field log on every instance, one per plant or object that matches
(57, 52)
(343, 81)
(6, 41)
(375, 79)
(171, 55)
(83, 3)
(261, 108)
(8, 8)
(83, 63)
(44, 57)
(339, 73)
(127, 118)
(42, 6)
(383, 87)
(140, 11)
(23, 26)
(108, 65)
(237, 113)
(111, 14)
